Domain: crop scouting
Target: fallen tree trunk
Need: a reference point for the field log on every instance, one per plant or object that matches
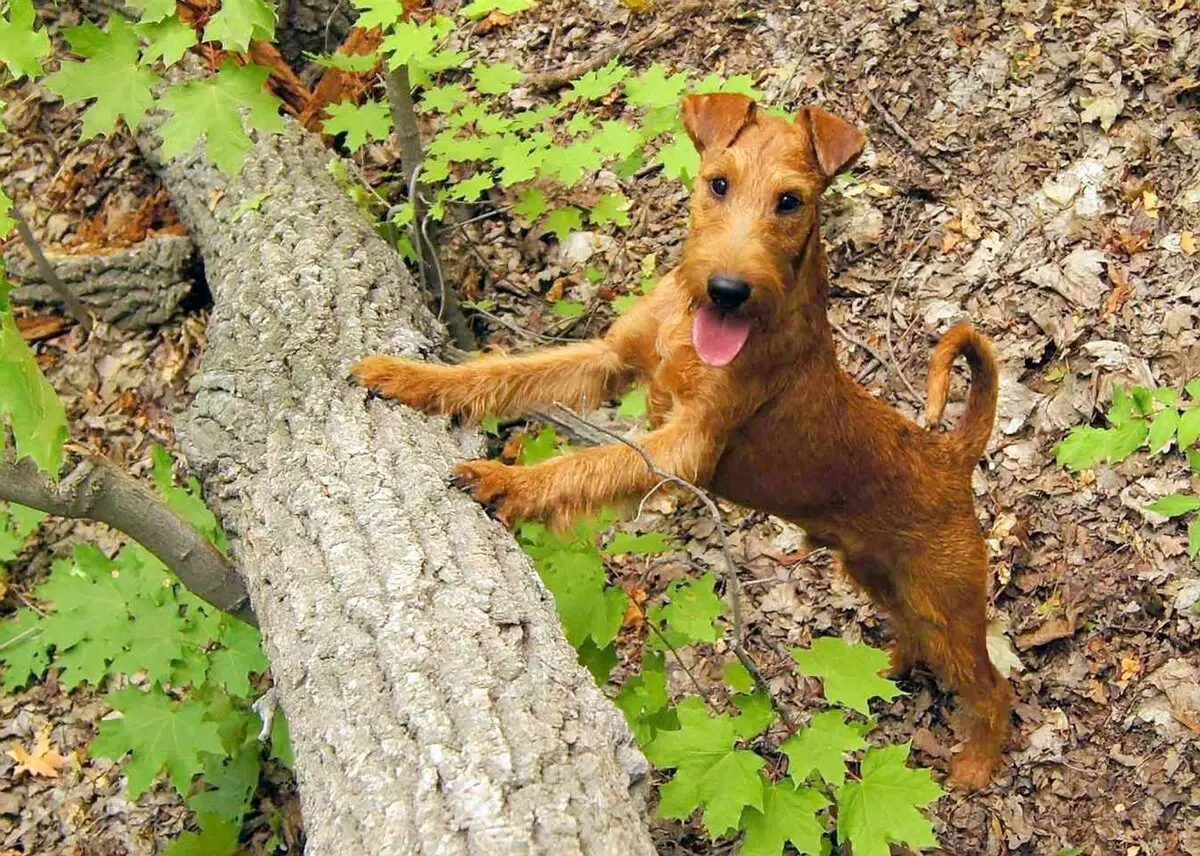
(434, 704)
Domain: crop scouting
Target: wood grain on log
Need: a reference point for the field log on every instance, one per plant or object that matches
(434, 704)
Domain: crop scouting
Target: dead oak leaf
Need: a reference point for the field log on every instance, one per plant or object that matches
(41, 761)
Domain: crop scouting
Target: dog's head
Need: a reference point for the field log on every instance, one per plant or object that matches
(755, 210)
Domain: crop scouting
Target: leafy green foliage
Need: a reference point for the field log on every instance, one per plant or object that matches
(111, 75)
(881, 807)
(34, 413)
(158, 733)
(168, 39)
(209, 110)
(21, 46)
(850, 673)
(709, 771)
(823, 746)
(480, 8)
(370, 121)
(789, 814)
(690, 614)
(239, 21)
(1152, 418)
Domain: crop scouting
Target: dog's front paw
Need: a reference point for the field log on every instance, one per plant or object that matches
(972, 770)
(415, 384)
(503, 489)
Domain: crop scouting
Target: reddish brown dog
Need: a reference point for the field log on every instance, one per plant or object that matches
(746, 397)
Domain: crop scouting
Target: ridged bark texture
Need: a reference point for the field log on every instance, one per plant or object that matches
(434, 704)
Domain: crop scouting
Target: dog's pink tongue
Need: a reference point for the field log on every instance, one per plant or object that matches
(718, 337)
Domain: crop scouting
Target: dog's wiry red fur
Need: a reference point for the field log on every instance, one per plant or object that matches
(781, 428)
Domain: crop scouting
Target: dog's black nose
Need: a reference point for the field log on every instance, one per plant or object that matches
(728, 293)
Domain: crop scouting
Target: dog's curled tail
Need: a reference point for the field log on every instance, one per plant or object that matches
(975, 427)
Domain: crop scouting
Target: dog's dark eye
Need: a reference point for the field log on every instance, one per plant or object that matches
(788, 203)
(719, 186)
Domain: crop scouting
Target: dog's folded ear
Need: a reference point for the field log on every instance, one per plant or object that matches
(714, 121)
(836, 142)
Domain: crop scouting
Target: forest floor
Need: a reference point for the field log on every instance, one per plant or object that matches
(1048, 191)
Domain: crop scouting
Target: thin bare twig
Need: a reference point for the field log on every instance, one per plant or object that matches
(888, 321)
(74, 305)
(96, 490)
(732, 581)
(645, 39)
(895, 125)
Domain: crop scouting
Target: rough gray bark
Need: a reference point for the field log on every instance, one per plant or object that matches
(132, 288)
(434, 704)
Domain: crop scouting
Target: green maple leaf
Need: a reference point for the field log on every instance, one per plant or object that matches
(1162, 429)
(646, 544)
(218, 836)
(370, 121)
(354, 63)
(610, 208)
(481, 8)
(379, 13)
(240, 21)
(7, 223)
(616, 139)
(81, 663)
(596, 84)
(850, 673)
(1082, 449)
(470, 189)
(788, 814)
(740, 84)
(588, 607)
(494, 125)
(186, 501)
(693, 608)
(232, 780)
(738, 676)
(169, 40)
(21, 46)
(527, 120)
(496, 79)
(567, 308)
(443, 99)
(882, 807)
(154, 640)
(709, 772)
(23, 651)
(1175, 505)
(1189, 427)
(35, 414)
(680, 159)
(757, 714)
(154, 10)
(633, 403)
(570, 163)
(517, 162)
(822, 746)
(16, 525)
(209, 110)
(160, 734)
(653, 88)
(281, 741)
(111, 75)
(1194, 537)
(412, 42)
(563, 221)
(241, 658)
(581, 123)
(644, 697)
(531, 204)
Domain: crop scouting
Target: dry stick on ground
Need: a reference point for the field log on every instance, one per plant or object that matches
(96, 490)
(404, 116)
(734, 584)
(895, 125)
(645, 39)
(888, 321)
(74, 305)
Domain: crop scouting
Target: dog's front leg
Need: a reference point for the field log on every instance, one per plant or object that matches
(583, 482)
(582, 375)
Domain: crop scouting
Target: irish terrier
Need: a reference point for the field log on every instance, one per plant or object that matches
(746, 398)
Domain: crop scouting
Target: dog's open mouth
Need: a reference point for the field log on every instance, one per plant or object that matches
(718, 337)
